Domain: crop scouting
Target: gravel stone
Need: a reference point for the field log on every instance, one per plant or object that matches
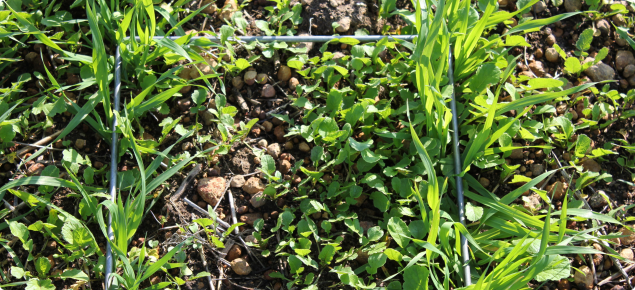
(211, 189)
(274, 150)
(572, 5)
(623, 59)
(250, 77)
(532, 203)
(238, 181)
(241, 267)
(591, 165)
(537, 169)
(629, 71)
(618, 20)
(538, 68)
(258, 200)
(627, 253)
(285, 166)
(517, 153)
(284, 73)
(603, 26)
(484, 181)
(552, 55)
(586, 277)
(234, 253)
(268, 91)
(551, 39)
(600, 71)
(304, 147)
(253, 185)
(560, 189)
(250, 218)
(345, 25)
(539, 7)
(597, 201)
(35, 169)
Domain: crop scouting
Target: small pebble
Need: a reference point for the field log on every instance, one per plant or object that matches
(304, 147)
(484, 181)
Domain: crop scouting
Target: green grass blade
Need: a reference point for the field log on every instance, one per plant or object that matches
(539, 23)
(158, 264)
(6, 114)
(589, 214)
(433, 189)
(46, 181)
(100, 65)
(156, 101)
(563, 217)
(174, 169)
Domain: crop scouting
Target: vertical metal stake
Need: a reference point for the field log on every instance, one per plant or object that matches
(465, 252)
(113, 165)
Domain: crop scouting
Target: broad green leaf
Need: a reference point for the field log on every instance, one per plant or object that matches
(89, 173)
(17, 272)
(19, 230)
(37, 284)
(349, 40)
(74, 274)
(295, 264)
(380, 201)
(334, 101)
(540, 83)
(199, 96)
(516, 40)
(582, 145)
(473, 213)
(559, 268)
(585, 39)
(486, 75)
(268, 164)
(399, 231)
(360, 146)
(43, 266)
(415, 277)
(393, 255)
(317, 152)
(375, 233)
(572, 65)
(601, 54)
(242, 63)
(327, 254)
(377, 260)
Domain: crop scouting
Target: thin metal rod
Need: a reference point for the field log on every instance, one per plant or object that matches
(113, 165)
(465, 252)
(312, 38)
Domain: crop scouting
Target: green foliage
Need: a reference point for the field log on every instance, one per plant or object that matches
(380, 115)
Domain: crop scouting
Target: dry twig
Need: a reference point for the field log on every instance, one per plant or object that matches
(42, 141)
(195, 171)
(242, 105)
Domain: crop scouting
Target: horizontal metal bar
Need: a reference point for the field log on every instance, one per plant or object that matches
(312, 38)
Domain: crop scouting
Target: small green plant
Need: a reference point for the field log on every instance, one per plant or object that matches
(575, 65)
(283, 17)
